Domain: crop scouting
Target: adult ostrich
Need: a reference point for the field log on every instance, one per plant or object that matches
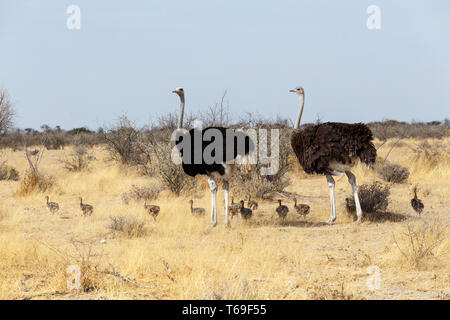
(332, 149)
(213, 152)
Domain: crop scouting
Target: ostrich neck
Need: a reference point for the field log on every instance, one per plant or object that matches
(180, 120)
(300, 111)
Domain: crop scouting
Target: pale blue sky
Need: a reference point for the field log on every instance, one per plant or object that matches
(129, 55)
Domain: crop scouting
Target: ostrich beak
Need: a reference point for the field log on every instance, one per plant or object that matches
(292, 90)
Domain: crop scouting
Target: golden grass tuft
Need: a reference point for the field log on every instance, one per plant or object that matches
(35, 182)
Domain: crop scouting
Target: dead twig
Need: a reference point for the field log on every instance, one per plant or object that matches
(114, 273)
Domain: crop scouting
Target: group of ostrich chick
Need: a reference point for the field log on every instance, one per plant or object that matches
(330, 149)
(246, 213)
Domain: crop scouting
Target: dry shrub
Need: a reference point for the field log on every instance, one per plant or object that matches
(138, 193)
(420, 239)
(170, 174)
(8, 172)
(373, 198)
(124, 145)
(87, 258)
(78, 160)
(234, 287)
(393, 172)
(35, 182)
(263, 186)
(391, 128)
(129, 227)
(55, 140)
(258, 186)
(429, 156)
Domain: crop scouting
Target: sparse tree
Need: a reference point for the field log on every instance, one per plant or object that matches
(7, 112)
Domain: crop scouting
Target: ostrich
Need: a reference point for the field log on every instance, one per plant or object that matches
(246, 213)
(302, 209)
(332, 149)
(282, 210)
(234, 208)
(86, 208)
(152, 210)
(416, 203)
(224, 147)
(52, 206)
(196, 211)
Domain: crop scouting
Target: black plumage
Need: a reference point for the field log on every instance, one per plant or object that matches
(416, 203)
(282, 210)
(239, 142)
(317, 145)
(212, 152)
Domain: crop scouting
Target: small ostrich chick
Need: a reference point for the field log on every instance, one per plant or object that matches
(282, 210)
(196, 211)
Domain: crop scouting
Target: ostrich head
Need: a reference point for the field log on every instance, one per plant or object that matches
(180, 92)
(299, 90)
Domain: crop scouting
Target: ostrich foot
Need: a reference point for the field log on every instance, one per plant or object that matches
(211, 226)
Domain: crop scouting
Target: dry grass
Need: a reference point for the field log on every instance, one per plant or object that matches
(260, 259)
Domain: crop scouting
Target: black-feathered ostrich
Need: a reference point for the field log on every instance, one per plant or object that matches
(332, 149)
(213, 152)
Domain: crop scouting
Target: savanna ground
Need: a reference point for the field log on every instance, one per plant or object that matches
(175, 257)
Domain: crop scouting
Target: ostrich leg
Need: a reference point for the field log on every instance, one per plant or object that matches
(213, 188)
(352, 181)
(330, 181)
(225, 187)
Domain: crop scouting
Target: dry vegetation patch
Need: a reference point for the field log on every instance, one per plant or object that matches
(373, 198)
(35, 182)
(421, 240)
(393, 172)
(128, 226)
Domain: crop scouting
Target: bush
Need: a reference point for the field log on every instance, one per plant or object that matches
(34, 181)
(8, 173)
(420, 239)
(393, 172)
(78, 160)
(141, 193)
(128, 226)
(54, 140)
(7, 112)
(85, 139)
(124, 145)
(171, 175)
(394, 129)
(373, 198)
(429, 156)
(265, 186)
